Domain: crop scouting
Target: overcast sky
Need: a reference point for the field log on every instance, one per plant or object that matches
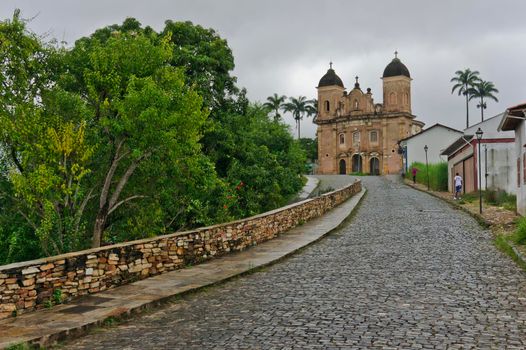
(285, 46)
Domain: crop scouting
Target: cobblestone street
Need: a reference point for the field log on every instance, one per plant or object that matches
(407, 271)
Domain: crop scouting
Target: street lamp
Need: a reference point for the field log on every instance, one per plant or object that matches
(427, 167)
(479, 134)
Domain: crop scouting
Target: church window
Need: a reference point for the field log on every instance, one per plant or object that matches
(356, 137)
(373, 136)
(392, 98)
(327, 106)
(342, 139)
(356, 105)
(406, 99)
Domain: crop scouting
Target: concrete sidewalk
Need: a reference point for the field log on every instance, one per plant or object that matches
(45, 327)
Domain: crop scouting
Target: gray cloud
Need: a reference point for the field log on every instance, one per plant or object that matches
(285, 46)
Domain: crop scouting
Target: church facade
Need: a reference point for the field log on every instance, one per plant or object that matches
(357, 135)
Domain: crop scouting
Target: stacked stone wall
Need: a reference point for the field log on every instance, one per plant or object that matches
(35, 284)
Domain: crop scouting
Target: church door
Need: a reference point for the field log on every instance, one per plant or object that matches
(375, 166)
(356, 163)
(342, 167)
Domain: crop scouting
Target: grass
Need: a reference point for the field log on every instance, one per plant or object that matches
(519, 236)
(501, 198)
(437, 175)
(21, 346)
(502, 243)
(496, 198)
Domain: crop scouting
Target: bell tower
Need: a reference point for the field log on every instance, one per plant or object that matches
(397, 87)
(330, 90)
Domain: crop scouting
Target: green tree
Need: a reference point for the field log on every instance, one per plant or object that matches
(483, 90)
(464, 81)
(299, 107)
(45, 156)
(206, 58)
(142, 112)
(275, 103)
(310, 146)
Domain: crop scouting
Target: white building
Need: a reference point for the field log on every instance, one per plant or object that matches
(513, 121)
(497, 167)
(436, 138)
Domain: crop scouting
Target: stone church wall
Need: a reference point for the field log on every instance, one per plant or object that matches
(34, 284)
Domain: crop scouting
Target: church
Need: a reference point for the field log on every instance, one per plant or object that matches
(356, 135)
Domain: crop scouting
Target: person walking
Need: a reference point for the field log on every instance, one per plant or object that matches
(414, 171)
(458, 186)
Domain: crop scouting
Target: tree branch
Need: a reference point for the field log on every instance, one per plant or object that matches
(109, 176)
(15, 160)
(124, 201)
(81, 209)
(124, 179)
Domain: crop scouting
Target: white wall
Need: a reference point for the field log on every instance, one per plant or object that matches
(490, 129)
(520, 138)
(437, 139)
(501, 166)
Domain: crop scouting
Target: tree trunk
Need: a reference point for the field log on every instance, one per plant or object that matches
(482, 108)
(298, 129)
(467, 108)
(98, 229)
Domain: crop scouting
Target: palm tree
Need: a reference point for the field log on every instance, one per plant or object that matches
(299, 107)
(464, 81)
(275, 103)
(482, 90)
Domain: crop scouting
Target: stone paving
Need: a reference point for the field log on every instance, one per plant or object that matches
(407, 271)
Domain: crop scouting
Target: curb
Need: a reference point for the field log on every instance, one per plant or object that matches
(121, 315)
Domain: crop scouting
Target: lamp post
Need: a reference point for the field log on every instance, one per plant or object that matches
(479, 134)
(427, 167)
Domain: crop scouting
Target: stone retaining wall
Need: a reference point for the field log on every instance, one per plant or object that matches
(35, 284)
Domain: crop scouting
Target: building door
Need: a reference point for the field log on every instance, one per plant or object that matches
(342, 167)
(356, 163)
(375, 166)
(466, 169)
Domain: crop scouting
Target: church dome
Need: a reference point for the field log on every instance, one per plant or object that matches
(396, 68)
(330, 78)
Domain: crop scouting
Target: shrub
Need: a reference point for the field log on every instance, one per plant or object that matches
(437, 175)
(520, 233)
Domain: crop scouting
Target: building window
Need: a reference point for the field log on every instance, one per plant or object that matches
(327, 106)
(406, 99)
(524, 168)
(392, 98)
(342, 139)
(373, 136)
(356, 137)
(356, 105)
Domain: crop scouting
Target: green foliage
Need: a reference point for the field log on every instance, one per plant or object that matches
(310, 147)
(464, 81)
(483, 90)
(299, 107)
(130, 134)
(437, 175)
(501, 198)
(520, 233)
(58, 297)
(20, 346)
(275, 104)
